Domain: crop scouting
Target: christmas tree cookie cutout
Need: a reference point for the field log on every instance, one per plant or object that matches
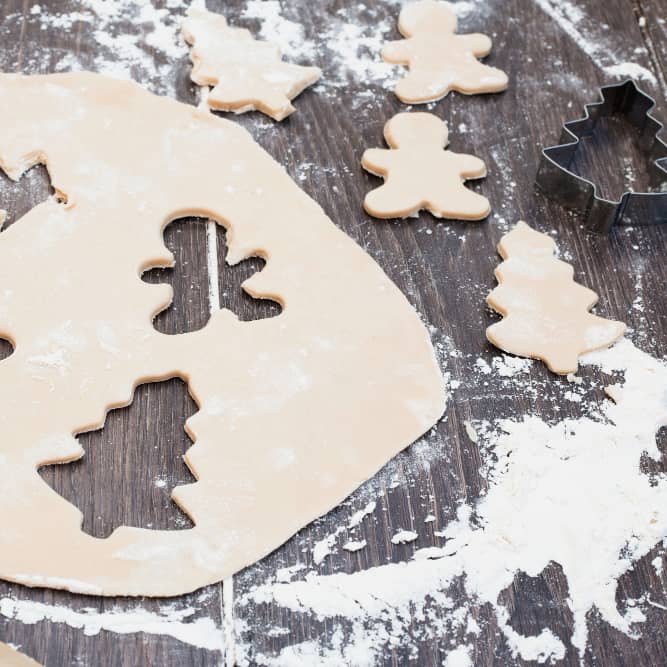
(420, 174)
(245, 73)
(545, 312)
(440, 60)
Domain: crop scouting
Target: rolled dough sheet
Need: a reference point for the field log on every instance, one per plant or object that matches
(9, 657)
(294, 411)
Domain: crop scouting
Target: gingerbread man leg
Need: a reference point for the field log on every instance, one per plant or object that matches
(387, 201)
(480, 77)
(462, 204)
(420, 86)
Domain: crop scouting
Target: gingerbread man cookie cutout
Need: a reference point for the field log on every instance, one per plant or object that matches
(420, 174)
(440, 60)
(245, 73)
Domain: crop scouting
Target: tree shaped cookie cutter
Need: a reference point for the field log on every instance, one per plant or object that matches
(556, 179)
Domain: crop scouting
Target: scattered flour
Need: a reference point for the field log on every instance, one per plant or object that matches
(274, 27)
(201, 632)
(135, 40)
(324, 547)
(590, 37)
(536, 471)
(349, 48)
(404, 536)
(459, 657)
(509, 366)
(359, 516)
(471, 431)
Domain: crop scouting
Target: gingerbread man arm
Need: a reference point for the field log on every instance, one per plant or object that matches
(397, 52)
(377, 161)
(470, 166)
(480, 45)
(468, 205)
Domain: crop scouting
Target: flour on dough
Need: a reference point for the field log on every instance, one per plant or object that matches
(545, 312)
(439, 60)
(420, 174)
(245, 73)
(294, 412)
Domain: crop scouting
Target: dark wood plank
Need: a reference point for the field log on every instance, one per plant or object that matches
(652, 15)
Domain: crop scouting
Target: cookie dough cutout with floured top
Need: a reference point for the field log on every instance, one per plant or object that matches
(440, 60)
(420, 174)
(246, 74)
(545, 312)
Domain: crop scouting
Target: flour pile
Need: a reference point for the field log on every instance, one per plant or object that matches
(572, 493)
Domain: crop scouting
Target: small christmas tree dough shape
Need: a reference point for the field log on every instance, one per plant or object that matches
(245, 73)
(440, 60)
(420, 174)
(545, 312)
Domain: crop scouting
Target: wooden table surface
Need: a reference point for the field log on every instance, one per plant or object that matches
(445, 268)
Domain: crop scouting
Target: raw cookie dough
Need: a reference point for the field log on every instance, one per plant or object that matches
(545, 313)
(9, 657)
(245, 73)
(439, 60)
(420, 174)
(295, 411)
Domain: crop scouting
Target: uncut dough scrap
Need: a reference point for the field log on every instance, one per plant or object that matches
(294, 411)
(245, 73)
(545, 313)
(419, 173)
(439, 60)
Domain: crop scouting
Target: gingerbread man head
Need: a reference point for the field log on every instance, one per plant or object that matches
(417, 131)
(427, 16)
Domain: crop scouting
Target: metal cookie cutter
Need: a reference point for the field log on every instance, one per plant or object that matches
(634, 208)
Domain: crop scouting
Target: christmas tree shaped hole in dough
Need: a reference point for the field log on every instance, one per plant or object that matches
(439, 60)
(545, 312)
(292, 412)
(420, 174)
(245, 73)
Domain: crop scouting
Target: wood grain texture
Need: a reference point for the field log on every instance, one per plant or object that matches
(445, 269)
(654, 33)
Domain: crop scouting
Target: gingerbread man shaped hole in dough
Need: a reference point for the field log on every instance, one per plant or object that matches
(188, 276)
(420, 174)
(439, 60)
